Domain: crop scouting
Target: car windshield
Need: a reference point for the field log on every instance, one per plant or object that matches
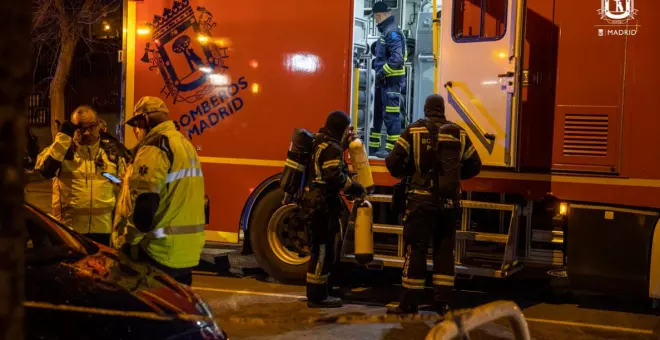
(47, 240)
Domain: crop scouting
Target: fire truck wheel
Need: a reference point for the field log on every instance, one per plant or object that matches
(278, 238)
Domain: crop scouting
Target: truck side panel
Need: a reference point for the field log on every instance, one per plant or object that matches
(599, 109)
(238, 77)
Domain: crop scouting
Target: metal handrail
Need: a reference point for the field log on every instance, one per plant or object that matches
(460, 322)
(450, 90)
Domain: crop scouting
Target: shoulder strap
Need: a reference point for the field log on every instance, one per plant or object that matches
(433, 135)
(162, 142)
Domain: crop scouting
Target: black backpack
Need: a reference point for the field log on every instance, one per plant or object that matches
(445, 159)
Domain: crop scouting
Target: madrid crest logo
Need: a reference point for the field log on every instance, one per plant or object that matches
(184, 53)
(617, 11)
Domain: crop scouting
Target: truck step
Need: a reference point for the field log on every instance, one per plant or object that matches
(484, 237)
(381, 261)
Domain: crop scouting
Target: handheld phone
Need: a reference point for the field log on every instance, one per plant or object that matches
(112, 178)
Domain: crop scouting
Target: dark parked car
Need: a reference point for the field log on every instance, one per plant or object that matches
(78, 289)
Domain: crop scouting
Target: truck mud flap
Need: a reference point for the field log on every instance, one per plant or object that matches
(609, 249)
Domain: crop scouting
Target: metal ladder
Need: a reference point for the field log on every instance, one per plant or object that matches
(506, 265)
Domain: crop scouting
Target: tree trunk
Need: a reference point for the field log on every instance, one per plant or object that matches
(58, 84)
(15, 84)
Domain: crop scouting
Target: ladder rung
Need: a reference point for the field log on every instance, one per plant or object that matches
(464, 203)
(485, 237)
(487, 205)
(488, 272)
(379, 198)
(388, 229)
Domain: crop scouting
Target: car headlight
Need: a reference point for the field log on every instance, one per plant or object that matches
(211, 325)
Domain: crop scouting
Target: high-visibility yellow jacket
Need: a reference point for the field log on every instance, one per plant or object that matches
(82, 198)
(167, 164)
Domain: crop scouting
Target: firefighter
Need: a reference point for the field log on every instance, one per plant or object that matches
(390, 53)
(82, 198)
(330, 176)
(432, 201)
(161, 211)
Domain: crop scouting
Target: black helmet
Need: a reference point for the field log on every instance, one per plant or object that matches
(434, 106)
(337, 123)
(380, 7)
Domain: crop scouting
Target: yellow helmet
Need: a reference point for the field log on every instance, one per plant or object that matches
(145, 106)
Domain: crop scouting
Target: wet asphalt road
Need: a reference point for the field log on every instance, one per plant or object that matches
(250, 305)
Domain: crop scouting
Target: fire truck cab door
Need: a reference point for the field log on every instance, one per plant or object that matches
(479, 58)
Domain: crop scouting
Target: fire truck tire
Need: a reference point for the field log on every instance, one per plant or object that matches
(271, 260)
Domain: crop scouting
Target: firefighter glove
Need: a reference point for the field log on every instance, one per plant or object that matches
(348, 138)
(68, 128)
(355, 189)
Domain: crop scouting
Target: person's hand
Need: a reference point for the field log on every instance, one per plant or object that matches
(380, 75)
(68, 128)
(348, 138)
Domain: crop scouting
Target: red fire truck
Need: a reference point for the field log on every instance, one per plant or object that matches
(562, 89)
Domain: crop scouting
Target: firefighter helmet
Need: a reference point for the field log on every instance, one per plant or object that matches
(146, 105)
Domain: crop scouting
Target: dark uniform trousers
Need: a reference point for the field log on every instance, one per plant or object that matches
(424, 222)
(181, 275)
(324, 228)
(387, 108)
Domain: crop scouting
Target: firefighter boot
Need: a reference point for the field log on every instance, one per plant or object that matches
(408, 305)
(329, 302)
(442, 299)
(382, 153)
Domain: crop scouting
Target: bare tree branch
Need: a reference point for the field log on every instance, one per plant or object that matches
(58, 27)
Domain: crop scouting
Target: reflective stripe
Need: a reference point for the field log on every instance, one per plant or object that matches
(418, 130)
(419, 192)
(443, 280)
(178, 230)
(448, 138)
(374, 144)
(319, 264)
(416, 148)
(389, 146)
(412, 283)
(319, 176)
(392, 109)
(328, 164)
(59, 151)
(396, 73)
(183, 173)
(294, 165)
(317, 279)
(404, 144)
(393, 137)
(396, 93)
(468, 153)
(387, 69)
(87, 211)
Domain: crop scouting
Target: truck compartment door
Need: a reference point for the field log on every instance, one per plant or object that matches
(479, 57)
